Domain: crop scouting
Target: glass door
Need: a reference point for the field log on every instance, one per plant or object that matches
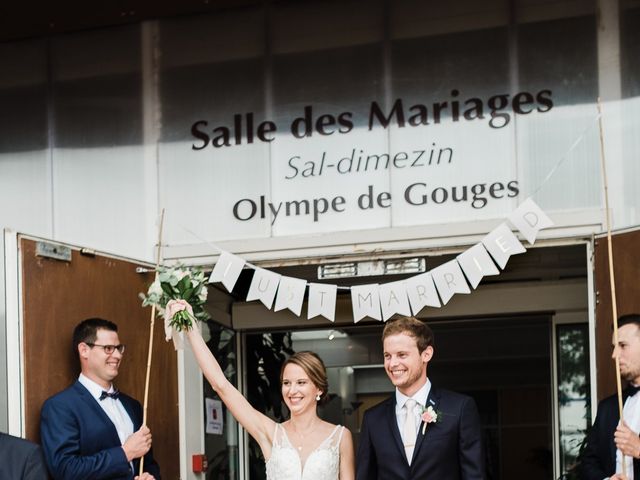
(503, 363)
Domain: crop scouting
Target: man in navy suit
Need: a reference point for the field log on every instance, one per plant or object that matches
(21, 459)
(421, 432)
(608, 439)
(90, 430)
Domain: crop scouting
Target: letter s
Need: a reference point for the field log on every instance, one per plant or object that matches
(295, 173)
(345, 122)
(544, 100)
(199, 134)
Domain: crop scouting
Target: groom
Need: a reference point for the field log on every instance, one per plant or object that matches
(421, 432)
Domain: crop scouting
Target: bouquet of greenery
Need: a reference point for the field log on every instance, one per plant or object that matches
(179, 294)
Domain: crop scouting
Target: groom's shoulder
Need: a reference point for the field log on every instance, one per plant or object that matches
(450, 397)
(381, 407)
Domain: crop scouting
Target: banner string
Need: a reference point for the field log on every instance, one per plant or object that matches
(219, 250)
(564, 157)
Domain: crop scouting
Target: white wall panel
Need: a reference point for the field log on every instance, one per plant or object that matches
(100, 200)
(198, 190)
(559, 158)
(25, 192)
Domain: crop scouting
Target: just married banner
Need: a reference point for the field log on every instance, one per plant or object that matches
(434, 288)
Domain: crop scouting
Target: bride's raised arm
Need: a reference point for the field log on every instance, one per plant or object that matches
(257, 424)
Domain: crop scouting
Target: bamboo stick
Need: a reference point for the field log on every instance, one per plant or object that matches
(612, 280)
(151, 325)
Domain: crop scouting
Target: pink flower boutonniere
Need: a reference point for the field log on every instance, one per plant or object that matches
(429, 415)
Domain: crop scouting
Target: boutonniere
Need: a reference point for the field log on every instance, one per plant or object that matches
(429, 415)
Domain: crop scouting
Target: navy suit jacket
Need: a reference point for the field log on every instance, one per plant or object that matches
(80, 442)
(598, 459)
(21, 459)
(450, 449)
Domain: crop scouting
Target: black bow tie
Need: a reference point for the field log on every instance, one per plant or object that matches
(631, 390)
(115, 394)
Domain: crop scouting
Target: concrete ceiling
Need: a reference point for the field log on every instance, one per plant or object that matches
(22, 19)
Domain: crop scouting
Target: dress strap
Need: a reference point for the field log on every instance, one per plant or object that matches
(329, 442)
(277, 435)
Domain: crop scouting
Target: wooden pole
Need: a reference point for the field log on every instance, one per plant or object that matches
(612, 281)
(151, 325)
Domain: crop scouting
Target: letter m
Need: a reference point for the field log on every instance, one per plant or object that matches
(378, 114)
(368, 298)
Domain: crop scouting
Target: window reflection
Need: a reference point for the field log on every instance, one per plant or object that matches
(221, 448)
(574, 414)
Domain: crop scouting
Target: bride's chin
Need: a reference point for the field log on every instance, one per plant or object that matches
(296, 408)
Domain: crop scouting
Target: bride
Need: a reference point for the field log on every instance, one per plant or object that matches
(304, 447)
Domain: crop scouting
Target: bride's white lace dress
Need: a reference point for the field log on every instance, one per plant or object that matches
(323, 463)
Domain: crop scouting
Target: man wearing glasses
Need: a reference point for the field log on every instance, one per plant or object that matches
(91, 430)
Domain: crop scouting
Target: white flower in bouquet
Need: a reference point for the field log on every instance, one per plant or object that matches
(202, 296)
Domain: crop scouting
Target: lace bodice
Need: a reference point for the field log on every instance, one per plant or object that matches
(323, 463)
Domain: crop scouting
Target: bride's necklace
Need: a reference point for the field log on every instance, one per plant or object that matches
(302, 435)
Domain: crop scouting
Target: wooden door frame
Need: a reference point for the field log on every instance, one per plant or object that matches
(13, 319)
(15, 323)
(626, 272)
(46, 298)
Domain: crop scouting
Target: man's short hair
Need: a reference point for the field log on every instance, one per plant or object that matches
(87, 331)
(413, 327)
(631, 318)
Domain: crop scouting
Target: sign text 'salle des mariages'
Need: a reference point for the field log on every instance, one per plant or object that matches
(453, 155)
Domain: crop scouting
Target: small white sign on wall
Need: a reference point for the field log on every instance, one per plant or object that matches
(215, 422)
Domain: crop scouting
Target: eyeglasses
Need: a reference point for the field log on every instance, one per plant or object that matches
(108, 349)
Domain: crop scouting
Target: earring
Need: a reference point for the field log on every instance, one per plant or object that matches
(317, 397)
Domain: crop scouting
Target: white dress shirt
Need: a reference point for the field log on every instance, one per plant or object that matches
(421, 400)
(631, 415)
(112, 407)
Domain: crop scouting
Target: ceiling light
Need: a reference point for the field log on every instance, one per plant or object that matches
(372, 268)
(338, 270)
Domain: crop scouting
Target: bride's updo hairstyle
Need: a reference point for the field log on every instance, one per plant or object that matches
(314, 367)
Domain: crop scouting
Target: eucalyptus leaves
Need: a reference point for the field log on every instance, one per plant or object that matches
(179, 293)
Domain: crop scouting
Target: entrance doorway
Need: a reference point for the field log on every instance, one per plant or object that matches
(506, 364)
(518, 345)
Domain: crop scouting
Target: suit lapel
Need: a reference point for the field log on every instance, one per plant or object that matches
(392, 420)
(91, 402)
(128, 406)
(432, 400)
(612, 428)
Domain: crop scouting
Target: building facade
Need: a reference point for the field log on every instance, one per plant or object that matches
(349, 143)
